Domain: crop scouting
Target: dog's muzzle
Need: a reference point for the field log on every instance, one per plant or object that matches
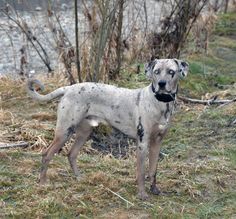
(166, 98)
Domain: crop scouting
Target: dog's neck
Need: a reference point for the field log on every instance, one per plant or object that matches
(166, 98)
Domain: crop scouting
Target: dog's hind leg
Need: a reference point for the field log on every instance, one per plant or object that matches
(58, 142)
(82, 135)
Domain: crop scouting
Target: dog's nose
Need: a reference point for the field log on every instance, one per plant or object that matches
(162, 83)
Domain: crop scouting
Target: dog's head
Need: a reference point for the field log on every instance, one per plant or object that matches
(164, 74)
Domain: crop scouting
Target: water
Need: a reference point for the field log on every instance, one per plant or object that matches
(12, 39)
(32, 5)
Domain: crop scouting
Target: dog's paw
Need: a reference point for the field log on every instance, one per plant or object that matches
(143, 196)
(154, 190)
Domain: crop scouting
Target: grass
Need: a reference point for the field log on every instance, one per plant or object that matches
(226, 24)
(197, 175)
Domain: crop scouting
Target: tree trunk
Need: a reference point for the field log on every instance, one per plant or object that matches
(108, 19)
(77, 42)
(119, 38)
(226, 6)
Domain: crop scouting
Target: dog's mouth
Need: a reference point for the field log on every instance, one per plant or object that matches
(164, 95)
(162, 91)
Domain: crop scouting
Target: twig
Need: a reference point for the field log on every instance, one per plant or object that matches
(127, 202)
(21, 144)
(206, 102)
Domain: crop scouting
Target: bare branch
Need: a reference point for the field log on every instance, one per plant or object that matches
(206, 102)
(14, 145)
(32, 39)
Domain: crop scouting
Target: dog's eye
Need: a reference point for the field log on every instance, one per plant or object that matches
(157, 71)
(171, 72)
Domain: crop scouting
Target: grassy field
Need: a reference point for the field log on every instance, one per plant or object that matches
(197, 176)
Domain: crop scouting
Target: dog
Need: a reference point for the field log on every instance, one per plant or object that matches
(143, 114)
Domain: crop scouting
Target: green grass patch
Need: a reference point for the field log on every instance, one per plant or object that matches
(196, 67)
(231, 153)
(226, 24)
(223, 42)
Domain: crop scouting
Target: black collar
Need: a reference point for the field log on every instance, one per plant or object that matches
(166, 98)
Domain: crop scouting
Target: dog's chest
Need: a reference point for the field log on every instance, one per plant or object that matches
(163, 116)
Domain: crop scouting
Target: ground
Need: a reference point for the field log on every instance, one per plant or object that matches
(197, 175)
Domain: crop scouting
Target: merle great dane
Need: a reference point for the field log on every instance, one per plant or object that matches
(143, 114)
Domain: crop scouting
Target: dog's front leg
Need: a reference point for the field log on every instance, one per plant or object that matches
(154, 151)
(141, 157)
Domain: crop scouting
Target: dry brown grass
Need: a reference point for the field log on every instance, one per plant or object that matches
(197, 176)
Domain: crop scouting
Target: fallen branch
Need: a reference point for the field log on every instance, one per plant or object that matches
(233, 122)
(21, 144)
(206, 102)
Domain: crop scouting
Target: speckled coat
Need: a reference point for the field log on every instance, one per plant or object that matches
(142, 114)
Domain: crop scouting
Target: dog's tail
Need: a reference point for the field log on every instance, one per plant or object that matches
(35, 95)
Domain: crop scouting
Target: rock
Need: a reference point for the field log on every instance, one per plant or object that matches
(38, 8)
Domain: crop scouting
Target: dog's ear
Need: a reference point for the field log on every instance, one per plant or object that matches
(149, 68)
(183, 67)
